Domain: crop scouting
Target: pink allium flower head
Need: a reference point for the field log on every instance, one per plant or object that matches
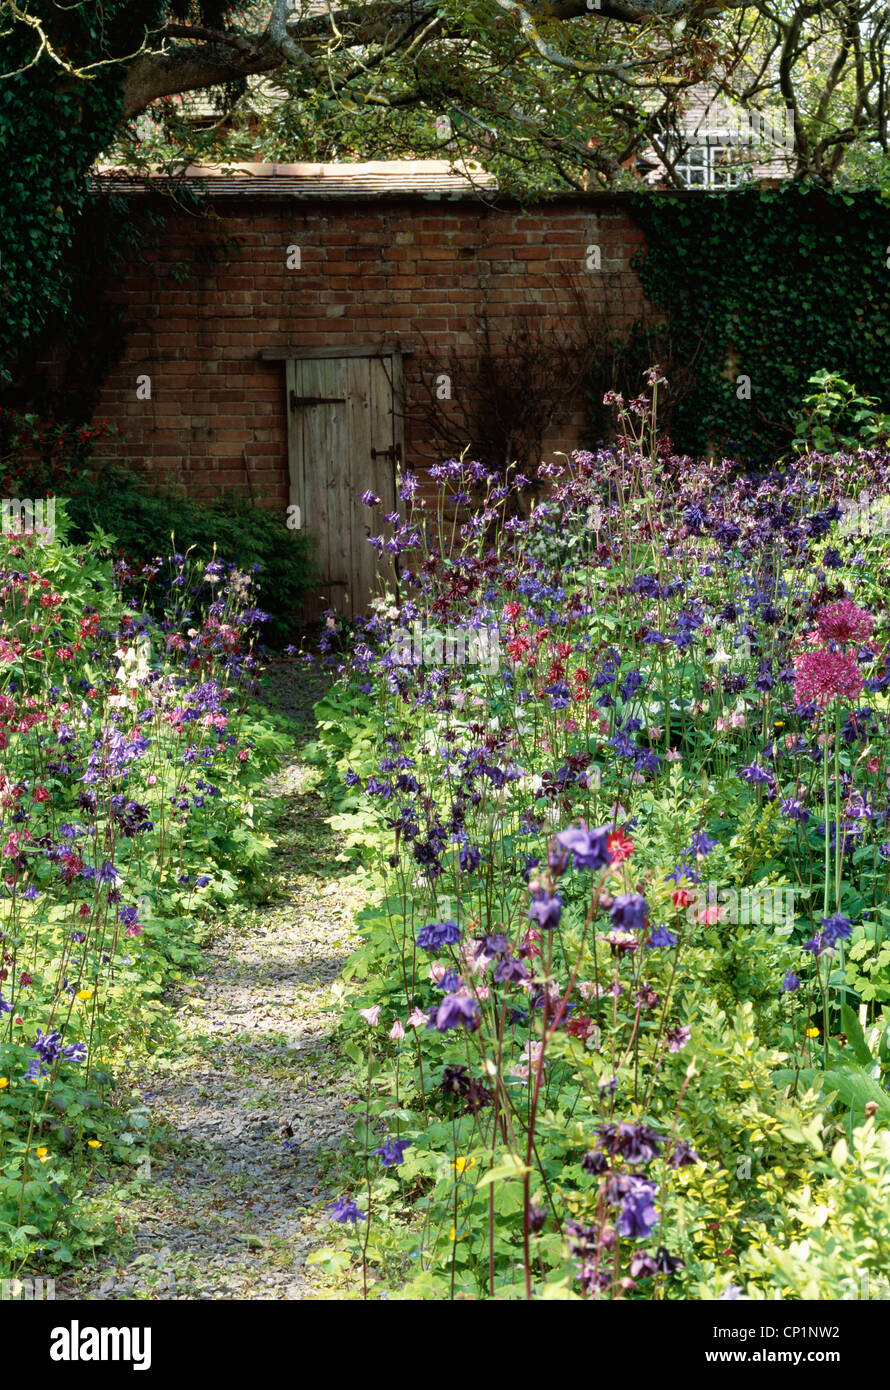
(823, 675)
(844, 622)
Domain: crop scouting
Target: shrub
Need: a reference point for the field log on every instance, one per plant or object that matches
(253, 538)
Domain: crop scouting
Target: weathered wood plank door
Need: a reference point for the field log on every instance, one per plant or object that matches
(344, 437)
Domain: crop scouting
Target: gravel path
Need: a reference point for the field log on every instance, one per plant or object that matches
(230, 1213)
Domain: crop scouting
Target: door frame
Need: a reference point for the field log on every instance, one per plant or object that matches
(392, 357)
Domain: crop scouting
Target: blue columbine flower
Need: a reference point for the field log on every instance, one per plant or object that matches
(392, 1153)
(791, 982)
(589, 848)
(835, 928)
(454, 1010)
(510, 971)
(544, 910)
(628, 912)
(638, 1215)
(660, 936)
(560, 695)
(438, 934)
(700, 844)
(345, 1209)
(682, 871)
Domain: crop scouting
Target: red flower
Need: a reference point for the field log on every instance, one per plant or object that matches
(823, 675)
(620, 847)
(844, 622)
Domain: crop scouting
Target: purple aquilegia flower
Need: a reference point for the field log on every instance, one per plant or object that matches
(701, 844)
(511, 971)
(660, 936)
(628, 912)
(667, 1264)
(392, 1153)
(544, 910)
(791, 982)
(495, 944)
(345, 1209)
(835, 929)
(678, 1037)
(642, 1265)
(638, 1212)
(682, 1155)
(635, 1143)
(589, 848)
(370, 499)
(49, 1046)
(438, 934)
(454, 1010)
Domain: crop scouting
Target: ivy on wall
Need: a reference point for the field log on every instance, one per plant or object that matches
(762, 288)
(52, 127)
(58, 114)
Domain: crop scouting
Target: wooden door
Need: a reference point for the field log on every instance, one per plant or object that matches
(344, 436)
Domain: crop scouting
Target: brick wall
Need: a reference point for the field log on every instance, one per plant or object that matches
(410, 271)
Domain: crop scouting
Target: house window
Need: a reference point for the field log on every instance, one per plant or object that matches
(712, 166)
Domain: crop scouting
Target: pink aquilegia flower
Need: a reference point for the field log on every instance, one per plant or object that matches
(417, 1018)
(397, 1031)
(823, 675)
(843, 622)
(371, 1015)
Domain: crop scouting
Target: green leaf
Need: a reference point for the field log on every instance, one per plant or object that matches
(853, 1029)
(510, 1167)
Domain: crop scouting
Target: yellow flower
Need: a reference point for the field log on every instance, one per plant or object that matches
(452, 1234)
(43, 1155)
(84, 994)
(462, 1164)
(4, 1082)
(94, 1143)
(778, 723)
(812, 1032)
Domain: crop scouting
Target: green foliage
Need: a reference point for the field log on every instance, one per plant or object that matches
(142, 525)
(76, 960)
(51, 131)
(835, 416)
(839, 1220)
(773, 284)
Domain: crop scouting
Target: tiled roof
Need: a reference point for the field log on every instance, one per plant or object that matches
(430, 178)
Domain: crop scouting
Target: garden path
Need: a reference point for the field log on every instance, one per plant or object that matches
(229, 1212)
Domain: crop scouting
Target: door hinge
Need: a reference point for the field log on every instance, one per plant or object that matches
(395, 453)
(296, 400)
